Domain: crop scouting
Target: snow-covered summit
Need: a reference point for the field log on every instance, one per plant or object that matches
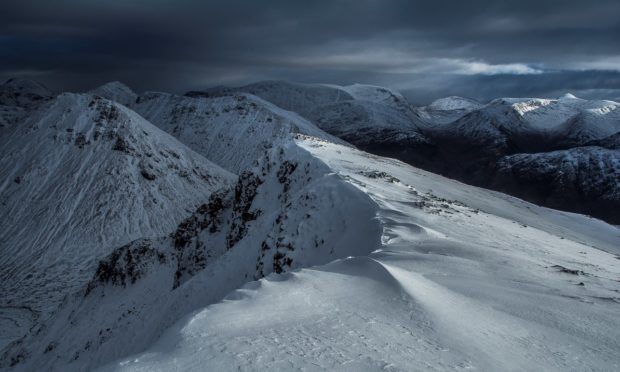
(568, 96)
(116, 91)
(454, 103)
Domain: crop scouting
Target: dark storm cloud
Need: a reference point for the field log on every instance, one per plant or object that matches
(480, 48)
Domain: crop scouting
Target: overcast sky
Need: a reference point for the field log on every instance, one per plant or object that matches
(426, 49)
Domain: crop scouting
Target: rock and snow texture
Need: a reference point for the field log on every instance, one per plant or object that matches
(289, 212)
(80, 177)
(462, 278)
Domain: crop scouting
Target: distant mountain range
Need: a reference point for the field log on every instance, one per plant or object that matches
(481, 144)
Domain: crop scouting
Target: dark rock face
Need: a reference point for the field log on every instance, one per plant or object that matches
(583, 180)
(23, 93)
(127, 264)
(589, 185)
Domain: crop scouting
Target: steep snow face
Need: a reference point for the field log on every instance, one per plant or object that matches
(290, 211)
(295, 97)
(462, 278)
(80, 177)
(116, 91)
(23, 93)
(233, 131)
(585, 177)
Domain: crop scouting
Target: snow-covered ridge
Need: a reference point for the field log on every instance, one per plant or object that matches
(437, 282)
(289, 212)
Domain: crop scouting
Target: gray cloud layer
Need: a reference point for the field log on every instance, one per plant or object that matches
(428, 49)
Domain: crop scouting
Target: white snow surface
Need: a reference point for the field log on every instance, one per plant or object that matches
(461, 278)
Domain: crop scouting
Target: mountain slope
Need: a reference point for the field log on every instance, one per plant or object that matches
(289, 212)
(587, 176)
(218, 127)
(448, 109)
(440, 292)
(81, 176)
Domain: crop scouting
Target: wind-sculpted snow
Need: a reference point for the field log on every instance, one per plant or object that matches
(289, 212)
(80, 177)
(215, 127)
(463, 278)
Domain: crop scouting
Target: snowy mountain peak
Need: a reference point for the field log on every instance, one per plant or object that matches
(568, 96)
(116, 91)
(88, 175)
(455, 103)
